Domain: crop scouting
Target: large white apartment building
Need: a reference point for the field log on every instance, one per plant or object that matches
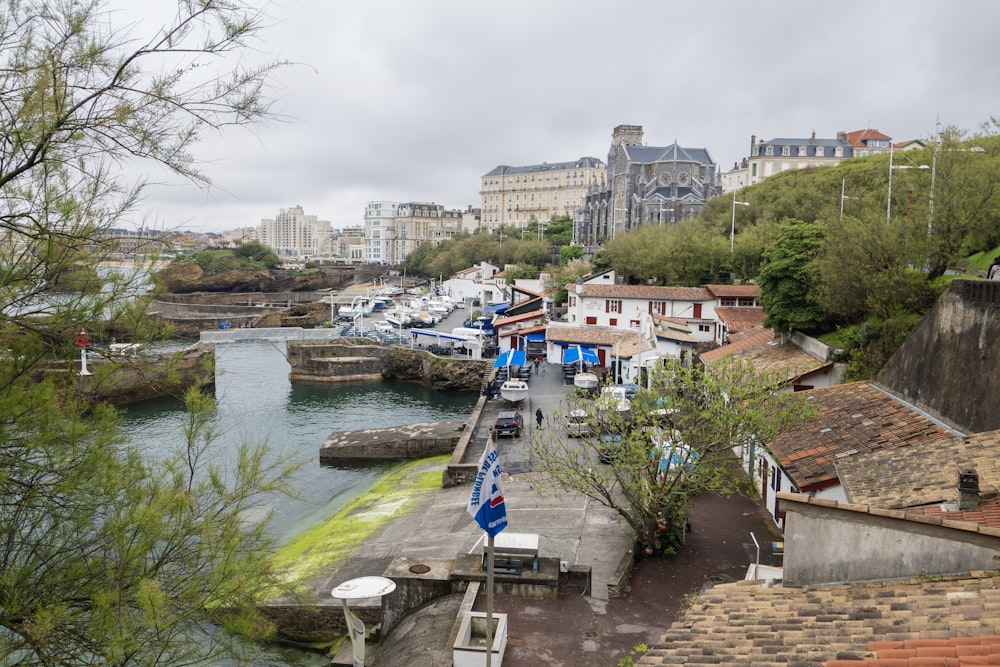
(292, 233)
(519, 196)
(393, 230)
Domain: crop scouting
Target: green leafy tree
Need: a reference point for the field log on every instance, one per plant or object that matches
(568, 253)
(787, 284)
(109, 558)
(674, 442)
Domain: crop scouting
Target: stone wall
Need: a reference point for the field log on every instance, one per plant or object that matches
(360, 358)
(953, 352)
(828, 543)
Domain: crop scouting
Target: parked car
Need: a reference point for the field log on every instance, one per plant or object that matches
(610, 448)
(509, 422)
(578, 423)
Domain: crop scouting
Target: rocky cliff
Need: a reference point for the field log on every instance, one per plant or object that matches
(183, 277)
(187, 277)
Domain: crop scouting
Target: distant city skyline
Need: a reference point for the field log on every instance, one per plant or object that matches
(416, 101)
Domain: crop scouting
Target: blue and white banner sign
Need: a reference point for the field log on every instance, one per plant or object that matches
(486, 504)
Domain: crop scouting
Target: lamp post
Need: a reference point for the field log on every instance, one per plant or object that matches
(843, 196)
(732, 233)
(893, 167)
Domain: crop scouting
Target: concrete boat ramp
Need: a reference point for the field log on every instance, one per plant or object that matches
(412, 441)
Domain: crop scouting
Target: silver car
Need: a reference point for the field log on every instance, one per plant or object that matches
(578, 423)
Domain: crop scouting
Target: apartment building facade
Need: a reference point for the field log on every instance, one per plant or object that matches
(293, 233)
(773, 156)
(392, 230)
(646, 185)
(519, 196)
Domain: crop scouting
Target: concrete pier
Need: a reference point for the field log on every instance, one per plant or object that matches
(413, 441)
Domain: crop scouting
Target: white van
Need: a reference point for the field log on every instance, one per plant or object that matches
(383, 327)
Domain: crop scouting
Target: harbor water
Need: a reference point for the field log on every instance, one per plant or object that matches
(258, 403)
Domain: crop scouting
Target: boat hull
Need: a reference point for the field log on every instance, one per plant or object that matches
(585, 381)
(514, 391)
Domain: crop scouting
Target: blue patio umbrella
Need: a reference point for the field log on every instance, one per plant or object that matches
(575, 353)
(511, 358)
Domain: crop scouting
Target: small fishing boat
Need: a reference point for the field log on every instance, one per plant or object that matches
(514, 391)
(586, 380)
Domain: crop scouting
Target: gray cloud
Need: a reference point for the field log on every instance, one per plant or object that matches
(416, 99)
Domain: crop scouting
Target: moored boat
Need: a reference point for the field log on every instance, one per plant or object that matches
(586, 380)
(514, 390)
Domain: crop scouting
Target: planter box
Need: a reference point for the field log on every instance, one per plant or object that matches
(470, 645)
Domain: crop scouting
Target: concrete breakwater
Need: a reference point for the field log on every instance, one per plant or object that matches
(347, 359)
(413, 441)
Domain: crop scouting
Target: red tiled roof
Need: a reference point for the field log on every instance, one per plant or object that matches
(858, 137)
(854, 417)
(840, 625)
(740, 318)
(751, 338)
(945, 652)
(985, 514)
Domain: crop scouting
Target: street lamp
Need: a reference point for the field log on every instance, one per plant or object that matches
(892, 167)
(732, 233)
(843, 196)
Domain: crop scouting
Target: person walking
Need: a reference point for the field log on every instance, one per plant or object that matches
(539, 417)
(994, 273)
(544, 364)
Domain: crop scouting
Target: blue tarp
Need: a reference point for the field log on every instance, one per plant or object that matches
(573, 354)
(511, 358)
(535, 337)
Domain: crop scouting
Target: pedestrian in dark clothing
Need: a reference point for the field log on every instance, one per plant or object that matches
(538, 417)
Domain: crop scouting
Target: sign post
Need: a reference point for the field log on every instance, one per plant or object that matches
(486, 505)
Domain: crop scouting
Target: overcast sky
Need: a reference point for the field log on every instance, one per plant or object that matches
(415, 100)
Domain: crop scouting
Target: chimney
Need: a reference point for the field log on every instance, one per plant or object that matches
(968, 488)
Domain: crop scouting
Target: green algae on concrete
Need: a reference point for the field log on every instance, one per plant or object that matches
(333, 541)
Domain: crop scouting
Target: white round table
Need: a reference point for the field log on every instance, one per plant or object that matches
(360, 588)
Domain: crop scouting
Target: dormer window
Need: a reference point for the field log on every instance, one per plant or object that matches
(819, 151)
(786, 151)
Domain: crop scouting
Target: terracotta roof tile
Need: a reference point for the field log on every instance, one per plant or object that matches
(720, 291)
(785, 361)
(926, 473)
(906, 623)
(588, 335)
(854, 417)
(650, 292)
(740, 318)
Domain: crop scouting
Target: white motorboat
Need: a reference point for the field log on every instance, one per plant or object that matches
(360, 305)
(398, 318)
(514, 390)
(586, 380)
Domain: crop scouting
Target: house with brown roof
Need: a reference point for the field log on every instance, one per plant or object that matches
(601, 301)
(851, 418)
(957, 478)
(781, 358)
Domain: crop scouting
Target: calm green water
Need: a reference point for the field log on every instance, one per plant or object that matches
(258, 403)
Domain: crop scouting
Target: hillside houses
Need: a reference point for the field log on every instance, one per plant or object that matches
(889, 503)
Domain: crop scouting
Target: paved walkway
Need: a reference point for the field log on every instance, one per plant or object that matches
(581, 628)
